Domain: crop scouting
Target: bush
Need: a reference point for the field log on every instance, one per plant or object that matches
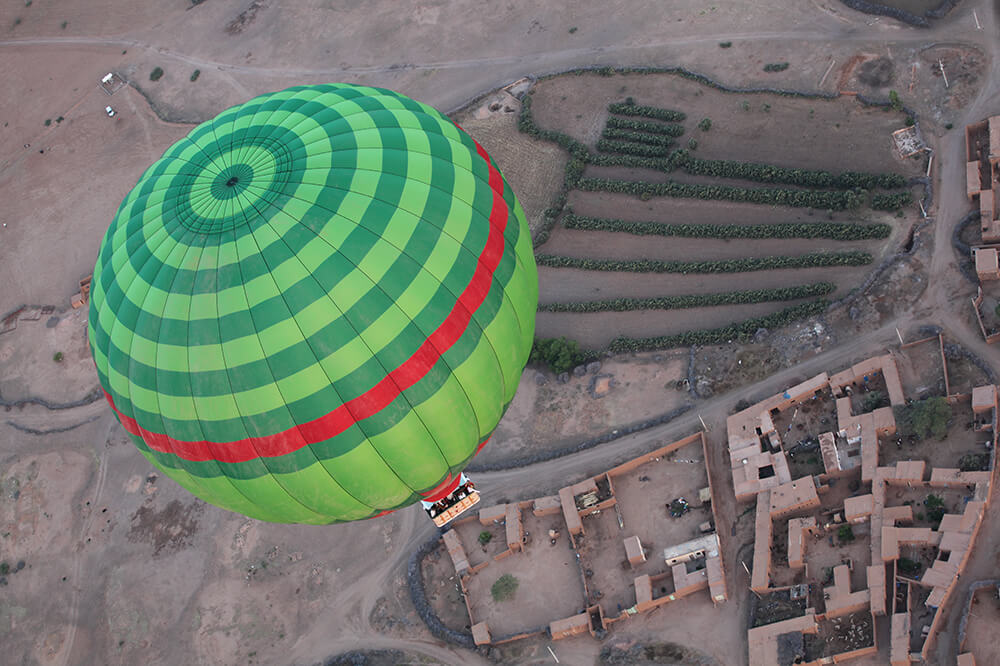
(725, 45)
(692, 144)
(894, 102)
(485, 537)
(625, 109)
(935, 509)
(873, 400)
(4, 568)
(742, 265)
(742, 331)
(695, 300)
(845, 533)
(156, 74)
(821, 199)
(504, 587)
(925, 417)
(48, 121)
(974, 462)
(776, 67)
(670, 129)
(560, 354)
(57, 357)
(830, 230)
(195, 74)
(705, 124)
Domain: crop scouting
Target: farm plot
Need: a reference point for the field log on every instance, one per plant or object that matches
(677, 224)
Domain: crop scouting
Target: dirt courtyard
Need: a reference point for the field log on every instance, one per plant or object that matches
(549, 586)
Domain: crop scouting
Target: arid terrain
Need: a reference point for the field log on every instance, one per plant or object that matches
(104, 560)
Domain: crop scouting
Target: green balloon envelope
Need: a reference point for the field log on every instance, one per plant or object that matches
(316, 307)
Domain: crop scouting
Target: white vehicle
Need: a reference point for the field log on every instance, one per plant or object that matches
(111, 112)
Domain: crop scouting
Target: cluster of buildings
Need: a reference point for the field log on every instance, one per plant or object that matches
(982, 147)
(838, 539)
(601, 551)
(854, 526)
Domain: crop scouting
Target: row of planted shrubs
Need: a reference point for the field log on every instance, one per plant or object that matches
(742, 265)
(830, 200)
(769, 173)
(638, 137)
(632, 148)
(695, 300)
(630, 108)
(742, 331)
(670, 129)
(892, 201)
(831, 230)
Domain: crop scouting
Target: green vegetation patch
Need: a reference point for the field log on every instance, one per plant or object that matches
(504, 588)
(743, 297)
(742, 331)
(628, 108)
(743, 265)
(830, 230)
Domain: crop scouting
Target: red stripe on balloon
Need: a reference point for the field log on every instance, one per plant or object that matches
(374, 399)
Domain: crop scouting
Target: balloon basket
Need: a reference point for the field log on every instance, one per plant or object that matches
(447, 509)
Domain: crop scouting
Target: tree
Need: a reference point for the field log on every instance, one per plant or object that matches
(560, 354)
(845, 533)
(927, 417)
(485, 537)
(504, 587)
(156, 74)
(872, 401)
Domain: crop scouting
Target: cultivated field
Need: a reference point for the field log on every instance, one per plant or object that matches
(591, 251)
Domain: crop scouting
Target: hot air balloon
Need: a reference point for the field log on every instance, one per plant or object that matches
(316, 307)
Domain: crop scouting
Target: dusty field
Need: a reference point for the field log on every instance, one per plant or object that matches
(774, 130)
(984, 618)
(534, 169)
(550, 415)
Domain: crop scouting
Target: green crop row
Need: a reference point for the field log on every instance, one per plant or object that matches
(831, 230)
(631, 148)
(743, 265)
(669, 129)
(655, 163)
(742, 331)
(627, 109)
(695, 300)
(893, 201)
(839, 200)
(769, 173)
(639, 137)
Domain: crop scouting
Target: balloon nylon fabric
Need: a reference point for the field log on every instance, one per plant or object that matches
(315, 307)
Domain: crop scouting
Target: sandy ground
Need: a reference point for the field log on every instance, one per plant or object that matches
(145, 573)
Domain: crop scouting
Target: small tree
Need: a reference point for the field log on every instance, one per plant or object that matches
(705, 124)
(845, 534)
(894, 101)
(560, 354)
(935, 508)
(504, 588)
(156, 74)
(485, 537)
(872, 401)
